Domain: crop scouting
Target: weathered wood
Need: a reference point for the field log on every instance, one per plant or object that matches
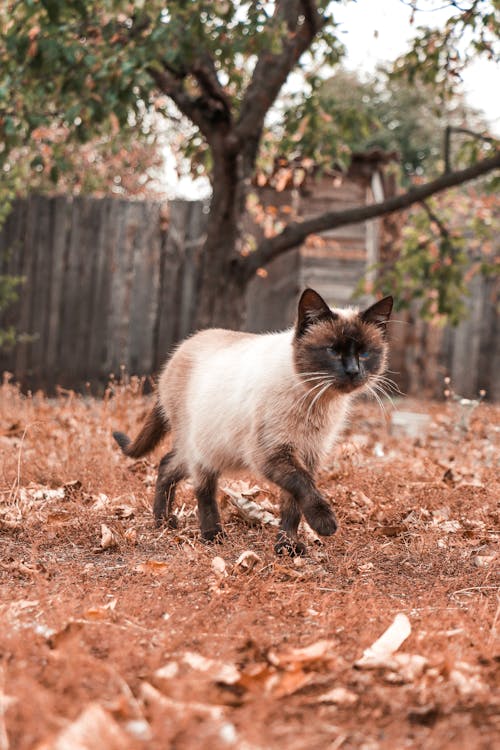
(111, 282)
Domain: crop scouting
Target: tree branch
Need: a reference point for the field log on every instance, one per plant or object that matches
(303, 21)
(205, 73)
(173, 87)
(295, 233)
(449, 129)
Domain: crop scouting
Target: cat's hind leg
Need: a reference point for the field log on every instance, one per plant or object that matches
(170, 473)
(205, 489)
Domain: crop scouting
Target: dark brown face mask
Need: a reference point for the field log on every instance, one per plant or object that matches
(347, 350)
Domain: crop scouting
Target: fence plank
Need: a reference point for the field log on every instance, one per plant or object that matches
(110, 282)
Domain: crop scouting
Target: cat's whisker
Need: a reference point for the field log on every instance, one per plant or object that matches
(317, 396)
(377, 398)
(308, 393)
(389, 384)
(310, 380)
(382, 392)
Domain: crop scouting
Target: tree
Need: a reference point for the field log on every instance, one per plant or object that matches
(223, 64)
(387, 112)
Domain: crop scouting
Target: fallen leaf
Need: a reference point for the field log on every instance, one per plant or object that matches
(310, 534)
(218, 566)
(168, 671)
(383, 648)
(101, 612)
(450, 527)
(131, 535)
(405, 668)
(65, 635)
(94, 729)
(287, 683)
(466, 679)
(72, 489)
(180, 709)
(124, 511)
(320, 651)
(392, 530)
(101, 501)
(152, 566)
(338, 695)
(250, 511)
(247, 561)
(108, 538)
(218, 671)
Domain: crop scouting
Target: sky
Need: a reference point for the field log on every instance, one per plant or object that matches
(380, 30)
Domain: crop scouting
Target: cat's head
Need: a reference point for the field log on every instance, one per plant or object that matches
(346, 349)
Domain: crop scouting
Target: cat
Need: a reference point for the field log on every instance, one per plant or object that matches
(271, 404)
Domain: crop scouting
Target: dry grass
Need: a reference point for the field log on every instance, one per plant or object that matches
(86, 629)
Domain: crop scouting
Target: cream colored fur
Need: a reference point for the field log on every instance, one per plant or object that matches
(231, 398)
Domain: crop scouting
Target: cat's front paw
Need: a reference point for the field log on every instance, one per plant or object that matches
(286, 546)
(321, 518)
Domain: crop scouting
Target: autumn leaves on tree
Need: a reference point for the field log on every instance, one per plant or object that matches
(218, 71)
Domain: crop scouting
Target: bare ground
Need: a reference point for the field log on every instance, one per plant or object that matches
(126, 636)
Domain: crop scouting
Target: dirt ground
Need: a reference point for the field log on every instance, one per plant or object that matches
(115, 634)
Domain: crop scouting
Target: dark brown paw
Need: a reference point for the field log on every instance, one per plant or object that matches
(321, 519)
(216, 535)
(161, 521)
(286, 546)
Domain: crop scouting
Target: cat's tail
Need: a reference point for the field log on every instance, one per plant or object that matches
(154, 428)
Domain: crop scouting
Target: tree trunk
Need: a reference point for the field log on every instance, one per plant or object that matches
(221, 288)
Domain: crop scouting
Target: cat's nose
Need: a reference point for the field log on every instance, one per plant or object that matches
(351, 367)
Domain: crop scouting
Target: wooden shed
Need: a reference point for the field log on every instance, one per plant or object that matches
(334, 262)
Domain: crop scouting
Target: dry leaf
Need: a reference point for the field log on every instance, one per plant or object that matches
(250, 511)
(392, 530)
(168, 671)
(101, 501)
(287, 683)
(406, 667)
(320, 651)
(310, 534)
(379, 653)
(466, 679)
(124, 511)
(108, 538)
(255, 676)
(131, 535)
(180, 709)
(218, 566)
(339, 695)
(152, 566)
(72, 489)
(94, 729)
(65, 635)
(247, 561)
(101, 612)
(218, 671)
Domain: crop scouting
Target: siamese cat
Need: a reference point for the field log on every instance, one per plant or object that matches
(270, 404)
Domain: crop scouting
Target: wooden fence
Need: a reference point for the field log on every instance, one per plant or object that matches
(112, 282)
(108, 283)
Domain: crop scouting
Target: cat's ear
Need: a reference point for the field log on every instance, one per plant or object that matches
(379, 313)
(312, 309)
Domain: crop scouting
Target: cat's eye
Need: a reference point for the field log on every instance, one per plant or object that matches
(364, 355)
(334, 352)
